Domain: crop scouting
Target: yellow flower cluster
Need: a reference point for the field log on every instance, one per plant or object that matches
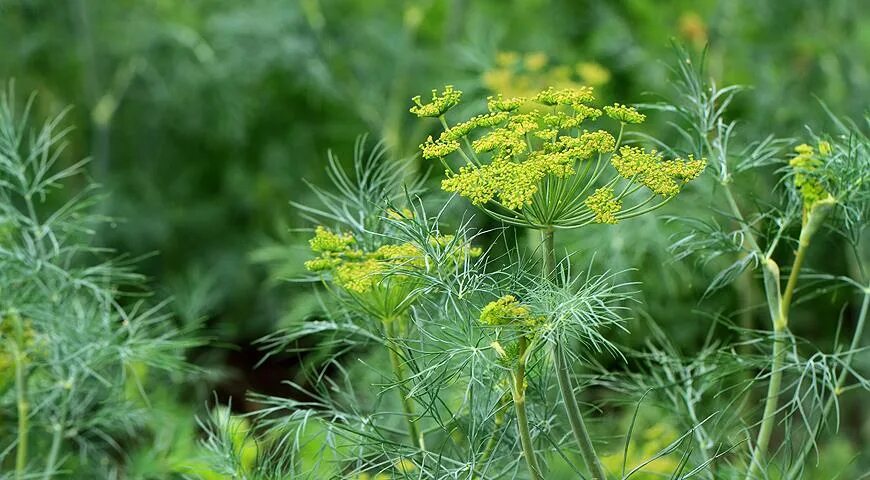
(439, 105)
(359, 271)
(567, 96)
(564, 121)
(438, 149)
(588, 144)
(664, 178)
(507, 310)
(522, 147)
(804, 164)
(512, 184)
(624, 114)
(448, 141)
(501, 104)
(325, 241)
(604, 205)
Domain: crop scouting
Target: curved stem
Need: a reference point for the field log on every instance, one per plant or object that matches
(399, 372)
(518, 388)
(575, 418)
(780, 325)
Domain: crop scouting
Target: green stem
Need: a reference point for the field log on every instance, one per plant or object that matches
(797, 467)
(748, 236)
(399, 372)
(549, 252)
(21, 399)
(56, 439)
(575, 418)
(780, 325)
(493, 439)
(519, 396)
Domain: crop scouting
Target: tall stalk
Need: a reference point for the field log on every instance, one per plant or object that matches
(23, 407)
(566, 389)
(399, 372)
(780, 306)
(518, 389)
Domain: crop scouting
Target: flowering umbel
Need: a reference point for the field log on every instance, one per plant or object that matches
(379, 278)
(531, 162)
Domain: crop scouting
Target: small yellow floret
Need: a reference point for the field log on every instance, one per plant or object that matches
(439, 105)
(567, 96)
(805, 164)
(501, 104)
(825, 148)
(504, 311)
(326, 241)
(624, 113)
(441, 148)
(604, 205)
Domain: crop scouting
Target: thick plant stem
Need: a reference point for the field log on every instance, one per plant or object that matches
(780, 325)
(549, 253)
(399, 372)
(519, 396)
(566, 389)
(798, 465)
(575, 418)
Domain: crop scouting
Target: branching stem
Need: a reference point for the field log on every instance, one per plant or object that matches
(518, 388)
(780, 327)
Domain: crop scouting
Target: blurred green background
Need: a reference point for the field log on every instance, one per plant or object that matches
(202, 119)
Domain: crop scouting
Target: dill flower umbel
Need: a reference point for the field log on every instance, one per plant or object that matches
(507, 310)
(531, 162)
(325, 241)
(380, 278)
(440, 103)
(624, 114)
(664, 178)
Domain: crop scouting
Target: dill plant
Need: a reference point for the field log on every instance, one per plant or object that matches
(535, 165)
(470, 336)
(822, 188)
(78, 335)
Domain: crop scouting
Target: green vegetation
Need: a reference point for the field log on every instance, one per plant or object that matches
(441, 239)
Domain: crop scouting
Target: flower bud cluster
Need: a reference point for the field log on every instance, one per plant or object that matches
(805, 165)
